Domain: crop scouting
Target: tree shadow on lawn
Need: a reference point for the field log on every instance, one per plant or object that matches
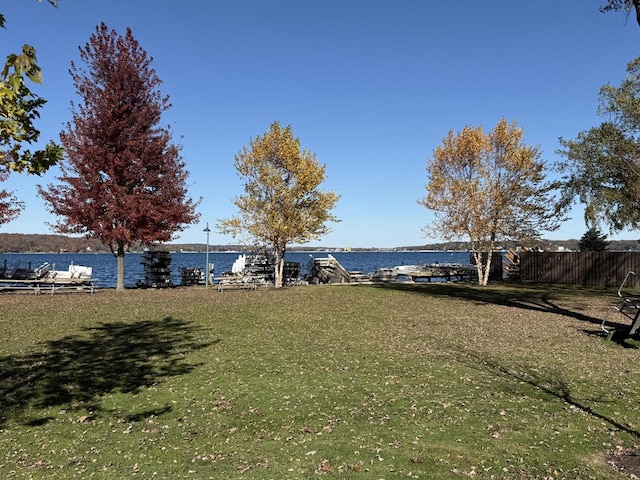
(538, 298)
(548, 385)
(76, 370)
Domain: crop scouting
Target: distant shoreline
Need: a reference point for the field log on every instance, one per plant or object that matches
(46, 243)
(200, 252)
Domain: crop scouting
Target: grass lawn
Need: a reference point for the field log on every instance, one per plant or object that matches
(429, 381)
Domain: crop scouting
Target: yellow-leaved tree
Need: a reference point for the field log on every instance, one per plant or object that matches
(489, 188)
(282, 203)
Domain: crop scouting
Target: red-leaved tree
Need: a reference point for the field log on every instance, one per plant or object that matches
(123, 180)
(9, 205)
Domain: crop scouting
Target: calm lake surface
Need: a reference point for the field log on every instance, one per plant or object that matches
(104, 264)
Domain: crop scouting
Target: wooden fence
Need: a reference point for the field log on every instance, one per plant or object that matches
(578, 268)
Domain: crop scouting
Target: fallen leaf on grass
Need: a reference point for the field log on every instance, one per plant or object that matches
(325, 467)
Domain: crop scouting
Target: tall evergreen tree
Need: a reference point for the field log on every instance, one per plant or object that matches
(593, 241)
(123, 180)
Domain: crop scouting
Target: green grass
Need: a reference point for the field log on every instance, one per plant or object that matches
(428, 381)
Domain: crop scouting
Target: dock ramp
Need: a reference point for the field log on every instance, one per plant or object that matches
(329, 270)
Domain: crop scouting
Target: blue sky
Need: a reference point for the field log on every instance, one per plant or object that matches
(370, 86)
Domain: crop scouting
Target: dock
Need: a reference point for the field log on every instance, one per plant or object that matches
(45, 278)
(329, 271)
(448, 272)
(249, 272)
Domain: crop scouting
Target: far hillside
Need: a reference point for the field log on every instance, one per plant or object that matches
(22, 243)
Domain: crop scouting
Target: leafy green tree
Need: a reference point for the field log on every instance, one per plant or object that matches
(593, 241)
(282, 203)
(19, 108)
(602, 166)
(488, 188)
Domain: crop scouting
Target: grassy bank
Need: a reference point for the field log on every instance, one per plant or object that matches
(432, 381)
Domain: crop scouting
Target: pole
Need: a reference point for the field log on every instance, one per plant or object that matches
(206, 268)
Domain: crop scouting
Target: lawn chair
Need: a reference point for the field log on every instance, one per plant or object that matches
(629, 307)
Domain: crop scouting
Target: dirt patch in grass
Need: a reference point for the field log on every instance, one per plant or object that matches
(626, 461)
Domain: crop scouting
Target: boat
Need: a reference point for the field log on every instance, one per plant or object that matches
(45, 276)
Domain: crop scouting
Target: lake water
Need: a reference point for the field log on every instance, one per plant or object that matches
(104, 264)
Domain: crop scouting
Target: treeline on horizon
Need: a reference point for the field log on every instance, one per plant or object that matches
(36, 243)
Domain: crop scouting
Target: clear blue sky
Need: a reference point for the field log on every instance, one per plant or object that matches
(370, 86)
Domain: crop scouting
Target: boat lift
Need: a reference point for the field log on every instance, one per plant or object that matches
(45, 278)
(629, 307)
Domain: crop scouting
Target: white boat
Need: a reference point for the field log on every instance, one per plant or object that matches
(45, 274)
(74, 274)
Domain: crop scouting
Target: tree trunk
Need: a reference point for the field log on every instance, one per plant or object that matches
(482, 257)
(120, 260)
(483, 263)
(279, 268)
(487, 268)
(477, 256)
